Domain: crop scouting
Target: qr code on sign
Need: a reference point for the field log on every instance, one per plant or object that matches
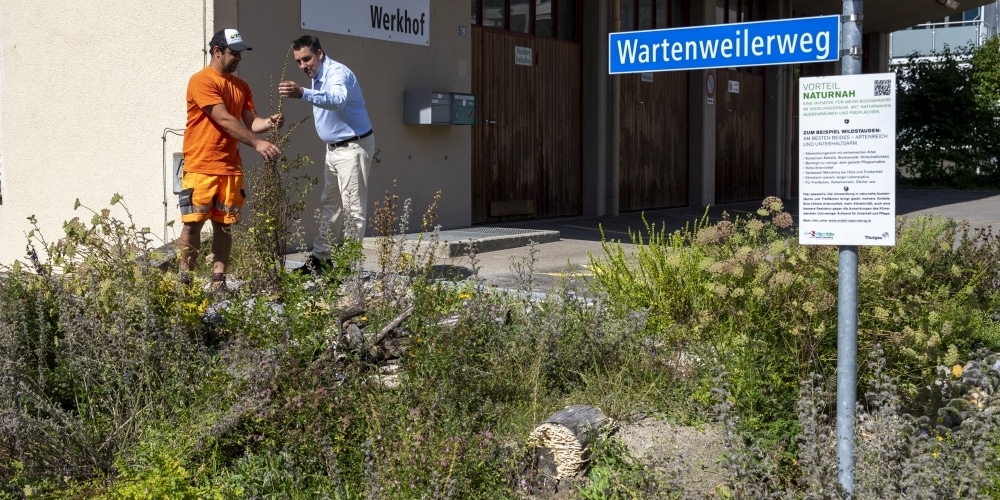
(883, 87)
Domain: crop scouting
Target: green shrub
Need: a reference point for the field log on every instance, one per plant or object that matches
(125, 385)
(744, 294)
(947, 117)
(94, 344)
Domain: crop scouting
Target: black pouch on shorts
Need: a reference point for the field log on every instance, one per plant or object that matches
(187, 205)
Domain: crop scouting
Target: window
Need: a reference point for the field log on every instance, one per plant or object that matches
(652, 14)
(494, 14)
(971, 15)
(739, 11)
(628, 15)
(520, 16)
(645, 21)
(566, 14)
(663, 14)
(542, 18)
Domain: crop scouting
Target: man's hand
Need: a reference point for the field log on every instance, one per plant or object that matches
(289, 88)
(269, 151)
(276, 120)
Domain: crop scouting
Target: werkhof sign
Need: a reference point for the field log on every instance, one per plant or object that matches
(404, 21)
(762, 43)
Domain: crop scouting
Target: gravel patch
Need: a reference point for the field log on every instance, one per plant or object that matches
(675, 454)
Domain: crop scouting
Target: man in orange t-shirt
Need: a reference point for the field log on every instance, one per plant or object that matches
(220, 115)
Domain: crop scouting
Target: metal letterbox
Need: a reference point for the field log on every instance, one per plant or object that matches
(421, 107)
(463, 109)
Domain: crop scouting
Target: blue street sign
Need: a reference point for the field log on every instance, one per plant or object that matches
(784, 41)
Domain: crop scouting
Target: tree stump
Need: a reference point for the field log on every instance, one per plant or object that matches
(561, 443)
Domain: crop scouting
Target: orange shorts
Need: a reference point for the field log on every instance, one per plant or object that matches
(215, 197)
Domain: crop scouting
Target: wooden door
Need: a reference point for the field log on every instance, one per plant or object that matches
(526, 160)
(654, 141)
(739, 137)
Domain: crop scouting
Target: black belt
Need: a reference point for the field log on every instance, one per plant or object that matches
(352, 139)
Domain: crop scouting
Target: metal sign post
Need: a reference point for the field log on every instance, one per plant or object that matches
(847, 287)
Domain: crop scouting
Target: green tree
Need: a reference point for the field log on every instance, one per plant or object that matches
(931, 135)
(986, 89)
(947, 112)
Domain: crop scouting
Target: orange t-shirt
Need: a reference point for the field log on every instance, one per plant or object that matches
(208, 149)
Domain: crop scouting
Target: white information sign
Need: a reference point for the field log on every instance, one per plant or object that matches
(523, 56)
(404, 21)
(847, 160)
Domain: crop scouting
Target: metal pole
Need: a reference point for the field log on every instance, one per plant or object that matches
(847, 292)
(614, 142)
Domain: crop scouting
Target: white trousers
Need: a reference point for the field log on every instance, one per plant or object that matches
(344, 204)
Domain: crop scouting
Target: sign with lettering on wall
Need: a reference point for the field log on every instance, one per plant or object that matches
(523, 56)
(403, 21)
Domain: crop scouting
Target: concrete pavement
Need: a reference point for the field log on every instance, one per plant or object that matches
(565, 245)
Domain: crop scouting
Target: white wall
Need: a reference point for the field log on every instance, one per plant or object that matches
(86, 95)
(86, 91)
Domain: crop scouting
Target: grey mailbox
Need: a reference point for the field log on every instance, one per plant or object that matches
(421, 107)
(463, 107)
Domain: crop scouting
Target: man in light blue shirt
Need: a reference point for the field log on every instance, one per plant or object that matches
(342, 123)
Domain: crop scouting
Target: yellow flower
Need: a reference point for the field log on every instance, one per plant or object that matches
(957, 371)
(881, 313)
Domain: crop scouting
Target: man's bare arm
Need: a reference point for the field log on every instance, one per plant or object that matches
(237, 130)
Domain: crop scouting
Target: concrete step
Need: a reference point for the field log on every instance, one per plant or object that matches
(457, 242)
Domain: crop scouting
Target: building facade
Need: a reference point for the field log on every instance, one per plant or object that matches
(968, 28)
(92, 104)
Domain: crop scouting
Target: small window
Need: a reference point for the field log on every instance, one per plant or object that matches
(645, 14)
(543, 19)
(677, 18)
(566, 13)
(662, 14)
(651, 14)
(520, 16)
(628, 15)
(495, 14)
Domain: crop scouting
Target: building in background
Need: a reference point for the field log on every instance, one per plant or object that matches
(105, 114)
(966, 28)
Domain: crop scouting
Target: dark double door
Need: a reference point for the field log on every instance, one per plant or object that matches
(526, 160)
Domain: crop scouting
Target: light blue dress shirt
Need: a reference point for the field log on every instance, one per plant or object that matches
(338, 106)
